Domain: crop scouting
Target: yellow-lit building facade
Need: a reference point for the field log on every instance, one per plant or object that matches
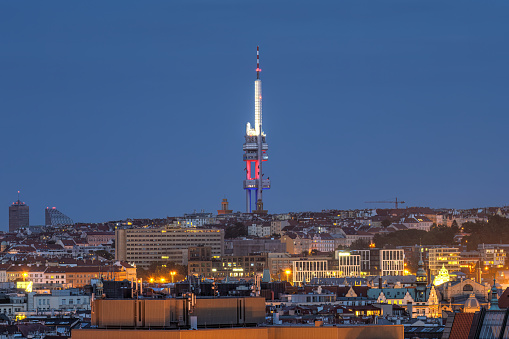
(448, 257)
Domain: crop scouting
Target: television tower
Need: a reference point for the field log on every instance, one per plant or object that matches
(255, 151)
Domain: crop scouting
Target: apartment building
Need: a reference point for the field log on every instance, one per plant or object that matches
(279, 263)
(449, 257)
(493, 255)
(99, 238)
(144, 246)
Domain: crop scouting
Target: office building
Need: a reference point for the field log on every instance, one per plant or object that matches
(18, 215)
(349, 264)
(448, 257)
(306, 269)
(54, 217)
(377, 261)
(144, 246)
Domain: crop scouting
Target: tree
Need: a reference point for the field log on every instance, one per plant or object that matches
(315, 252)
(437, 235)
(386, 223)
(495, 231)
(235, 231)
(360, 244)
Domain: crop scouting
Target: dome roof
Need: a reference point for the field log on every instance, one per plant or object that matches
(471, 304)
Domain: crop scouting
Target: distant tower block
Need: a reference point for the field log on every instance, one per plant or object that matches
(18, 215)
(255, 151)
(224, 208)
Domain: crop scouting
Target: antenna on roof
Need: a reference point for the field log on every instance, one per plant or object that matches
(258, 70)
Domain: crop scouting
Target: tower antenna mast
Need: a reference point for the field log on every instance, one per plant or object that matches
(255, 150)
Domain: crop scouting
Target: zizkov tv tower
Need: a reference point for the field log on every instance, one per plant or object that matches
(255, 151)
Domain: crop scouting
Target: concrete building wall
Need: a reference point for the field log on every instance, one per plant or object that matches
(145, 313)
(283, 332)
(120, 245)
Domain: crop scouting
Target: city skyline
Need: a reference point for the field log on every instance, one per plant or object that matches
(117, 119)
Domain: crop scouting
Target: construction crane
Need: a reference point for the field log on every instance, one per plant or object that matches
(396, 202)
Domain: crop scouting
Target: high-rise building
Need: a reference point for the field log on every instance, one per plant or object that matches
(18, 215)
(54, 217)
(144, 246)
(255, 151)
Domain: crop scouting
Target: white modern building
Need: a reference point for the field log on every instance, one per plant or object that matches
(392, 262)
(306, 269)
(349, 264)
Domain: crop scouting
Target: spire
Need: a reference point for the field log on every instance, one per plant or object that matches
(421, 275)
(494, 298)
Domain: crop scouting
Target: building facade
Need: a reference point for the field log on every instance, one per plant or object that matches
(306, 269)
(144, 246)
(349, 264)
(449, 257)
(19, 215)
(54, 217)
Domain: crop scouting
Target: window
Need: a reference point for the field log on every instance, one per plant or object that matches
(468, 287)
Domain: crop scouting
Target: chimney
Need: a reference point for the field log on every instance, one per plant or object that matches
(409, 309)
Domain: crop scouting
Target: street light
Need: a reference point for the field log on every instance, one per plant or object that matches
(151, 280)
(288, 275)
(162, 280)
(25, 274)
(172, 273)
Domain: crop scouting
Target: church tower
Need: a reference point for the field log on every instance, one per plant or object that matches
(422, 281)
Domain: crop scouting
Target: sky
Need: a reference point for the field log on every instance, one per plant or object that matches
(130, 109)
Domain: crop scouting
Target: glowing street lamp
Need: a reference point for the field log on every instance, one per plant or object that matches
(172, 273)
(162, 280)
(25, 274)
(151, 280)
(288, 275)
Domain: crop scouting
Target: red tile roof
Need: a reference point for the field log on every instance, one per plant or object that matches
(503, 301)
(461, 325)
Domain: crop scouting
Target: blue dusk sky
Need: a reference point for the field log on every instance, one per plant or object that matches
(133, 109)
